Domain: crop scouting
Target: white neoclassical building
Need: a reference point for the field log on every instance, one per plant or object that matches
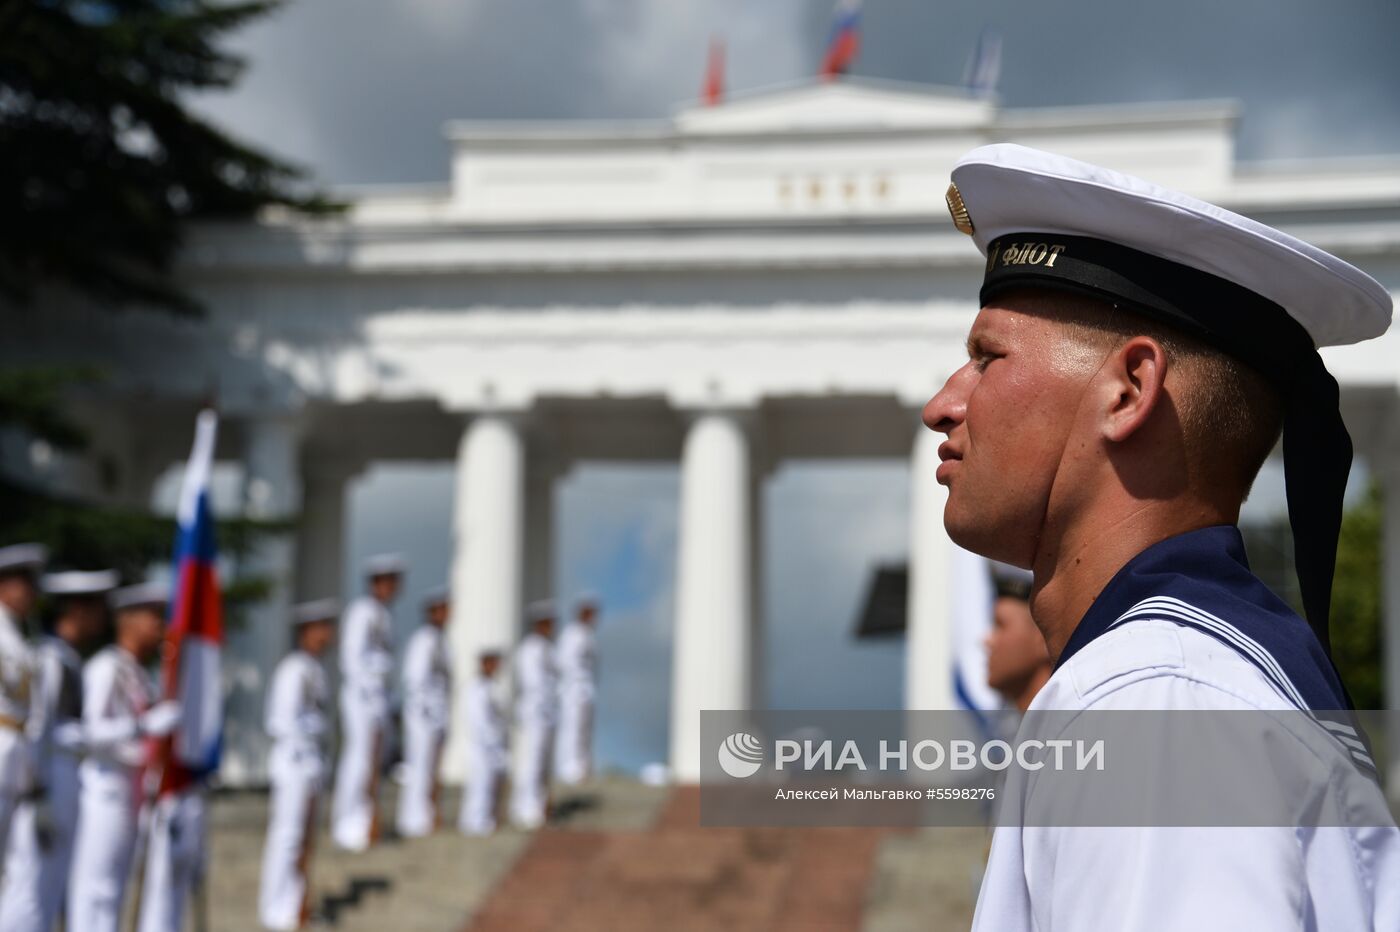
(771, 278)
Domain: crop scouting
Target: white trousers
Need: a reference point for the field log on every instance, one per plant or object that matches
(422, 743)
(529, 791)
(356, 778)
(478, 812)
(174, 861)
(575, 749)
(36, 873)
(14, 776)
(106, 840)
(292, 815)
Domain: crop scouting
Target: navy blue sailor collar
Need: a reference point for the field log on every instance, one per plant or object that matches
(1201, 579)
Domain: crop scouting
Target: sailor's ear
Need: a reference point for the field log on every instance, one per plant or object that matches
(1132, 384)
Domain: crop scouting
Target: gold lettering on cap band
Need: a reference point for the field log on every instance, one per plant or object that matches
(961, 218)
(1030, 254)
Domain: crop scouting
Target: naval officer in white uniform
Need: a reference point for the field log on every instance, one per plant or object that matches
(40, 853)
(536, 714)
(366, 665)
(20, 566)
(427, 697)
(577, 661)
(1137, 355)
(120, 713)
(297, 721)
(486, 749)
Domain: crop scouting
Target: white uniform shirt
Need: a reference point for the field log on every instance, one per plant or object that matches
(577, 662)
(487, 727)
(57, 696)
(427, 676)
(16, 669)
(1145, 651)
(116, 691)
(296, 717)
(366, 652)
(536, 679)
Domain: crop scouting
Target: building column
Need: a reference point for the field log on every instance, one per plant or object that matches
(321, 531)
(712, 659)
(488, 560)
(928, 671)
(539, 533)
(271, 492)
(1386, 468)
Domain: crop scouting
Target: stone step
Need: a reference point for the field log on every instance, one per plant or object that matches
(678, 875)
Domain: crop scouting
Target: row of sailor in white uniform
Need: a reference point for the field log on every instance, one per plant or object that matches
(74, 750)
(298, 721)
(556, 687)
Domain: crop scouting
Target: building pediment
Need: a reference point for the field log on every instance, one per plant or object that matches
(845, 106)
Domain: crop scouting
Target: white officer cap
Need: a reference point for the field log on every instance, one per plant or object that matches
(140, 595)
(1265, 298)
(385, 564)
(19, 557)
(540, 610)
(486, 653)
(80, 582)
(1005, 190)
(438, 595)
(304, 613)
(586, 599)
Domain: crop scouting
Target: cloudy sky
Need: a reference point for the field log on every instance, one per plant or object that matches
(357, 90)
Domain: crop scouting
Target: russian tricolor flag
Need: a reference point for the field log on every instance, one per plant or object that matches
(845, 39)
(195, 634)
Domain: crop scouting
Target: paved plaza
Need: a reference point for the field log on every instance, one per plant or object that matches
(621, 856)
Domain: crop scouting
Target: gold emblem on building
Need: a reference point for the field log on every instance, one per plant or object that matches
(961, 218)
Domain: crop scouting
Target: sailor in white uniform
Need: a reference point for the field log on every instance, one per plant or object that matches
(486, 749)
(366, 665)
(576, 658)
(536, 714)
(41, 837)
(427, 697)
(1137, 355)
(119, 714)
(20, 566)
(297, 722)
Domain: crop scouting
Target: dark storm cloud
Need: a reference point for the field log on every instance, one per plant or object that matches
(1313, 78)
(360, 88)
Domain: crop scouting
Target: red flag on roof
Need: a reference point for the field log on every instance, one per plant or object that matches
(713, 92)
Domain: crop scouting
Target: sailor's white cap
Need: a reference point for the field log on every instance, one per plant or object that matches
(80, 582)
(438, 595)
(304, 613)
(587, 599)
(141, 594)
(539, 610)
(1007, 189)
(30, 557)
(385, 564)
(1011, 581)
